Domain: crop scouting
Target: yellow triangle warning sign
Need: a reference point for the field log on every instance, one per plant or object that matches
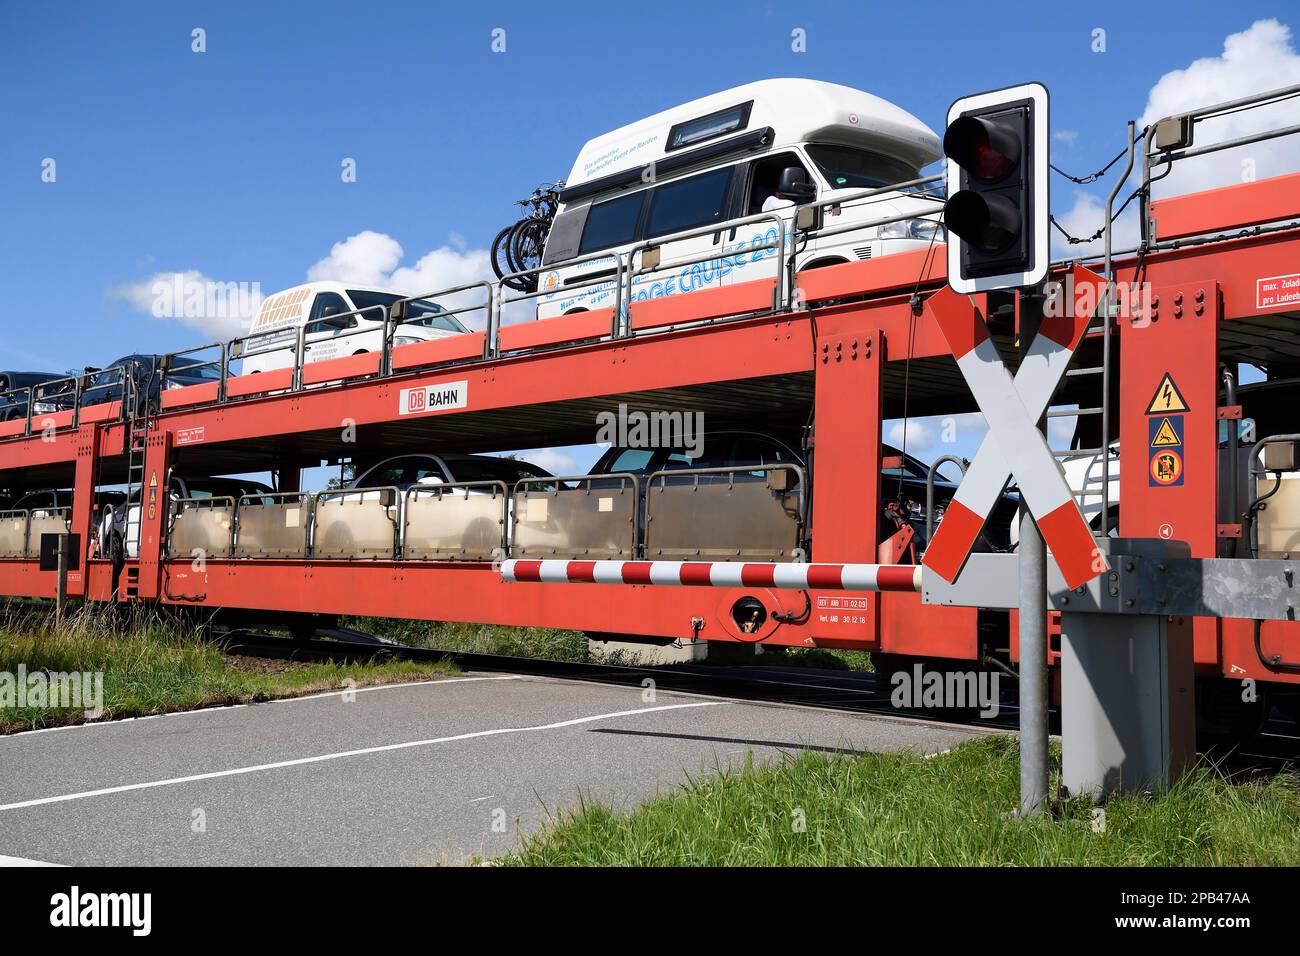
(1165, 436)
(1167, 398)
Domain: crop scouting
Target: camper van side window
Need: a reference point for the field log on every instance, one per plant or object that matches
(612, 223)
(687, 203)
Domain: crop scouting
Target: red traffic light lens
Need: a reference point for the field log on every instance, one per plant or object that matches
(987, 149)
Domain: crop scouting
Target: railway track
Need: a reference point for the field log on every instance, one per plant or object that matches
(832, 690)
(1278, 748)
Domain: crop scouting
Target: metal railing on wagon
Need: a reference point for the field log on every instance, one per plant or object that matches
(576, 516)
(731, 513)
(21, 530)
(627, 313)
(62, 402)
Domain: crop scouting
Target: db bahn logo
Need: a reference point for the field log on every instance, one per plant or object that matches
(425, 399)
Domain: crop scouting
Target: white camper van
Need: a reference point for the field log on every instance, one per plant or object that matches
(331, 332)
(772, 146)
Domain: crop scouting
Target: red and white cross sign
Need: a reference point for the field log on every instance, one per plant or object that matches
(1014, 445)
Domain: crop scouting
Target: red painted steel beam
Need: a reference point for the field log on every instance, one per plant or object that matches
(1230, 207)
(740, 350)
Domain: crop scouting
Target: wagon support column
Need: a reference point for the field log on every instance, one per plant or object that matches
(82, 524)
(155, 509)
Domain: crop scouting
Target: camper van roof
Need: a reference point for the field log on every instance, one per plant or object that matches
(798, 110)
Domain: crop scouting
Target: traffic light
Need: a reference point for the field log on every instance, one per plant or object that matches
(997, 208)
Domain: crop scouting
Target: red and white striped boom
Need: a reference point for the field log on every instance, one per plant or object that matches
(720, 574)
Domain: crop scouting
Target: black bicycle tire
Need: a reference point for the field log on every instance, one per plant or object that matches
(502, 237)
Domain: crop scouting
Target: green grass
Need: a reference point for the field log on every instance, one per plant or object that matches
(905, 810)
(151, 666)
(824, 658)
(538, 642)
(563, 645)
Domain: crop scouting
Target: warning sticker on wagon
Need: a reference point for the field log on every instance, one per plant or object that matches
(1277, 291)
(433, 398)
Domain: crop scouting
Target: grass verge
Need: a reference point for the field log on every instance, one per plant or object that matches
(906, 810)
(562, 645)
(152, 666)
(538, 642)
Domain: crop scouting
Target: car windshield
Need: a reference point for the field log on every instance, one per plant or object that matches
(193, 371)
(224, 488)
(848, 168)
(508, 470)
(422, 312)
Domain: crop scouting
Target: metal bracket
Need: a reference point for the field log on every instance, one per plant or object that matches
(1147, 576)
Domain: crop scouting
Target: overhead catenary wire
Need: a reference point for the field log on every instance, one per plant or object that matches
(1093, 177)
(1101, 231)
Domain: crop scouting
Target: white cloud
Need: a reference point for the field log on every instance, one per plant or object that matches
(374, 259)
(552, 459)
(1066, 136)
(221, 310)
(366, 259)
(915, 433)
(1084, 218)
(1256, 60)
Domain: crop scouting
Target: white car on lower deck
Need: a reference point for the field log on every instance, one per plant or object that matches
(341, 319)
(770, 146)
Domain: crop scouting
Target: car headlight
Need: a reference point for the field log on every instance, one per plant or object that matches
(44, 408)
(920, 229)
(399, 340)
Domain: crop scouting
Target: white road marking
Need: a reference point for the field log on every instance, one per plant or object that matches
(362, 690)
(21, 861)
(385, 748)
(111, 722)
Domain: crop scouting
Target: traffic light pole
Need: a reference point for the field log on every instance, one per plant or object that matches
(1033, 618)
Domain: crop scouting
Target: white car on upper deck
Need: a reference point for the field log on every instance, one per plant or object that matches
(773, 145)
(335, 325)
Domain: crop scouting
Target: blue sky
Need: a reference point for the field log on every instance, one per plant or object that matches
(228, 162)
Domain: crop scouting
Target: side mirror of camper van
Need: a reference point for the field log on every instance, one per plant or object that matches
(795, 184)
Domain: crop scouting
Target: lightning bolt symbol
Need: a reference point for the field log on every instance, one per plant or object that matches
(1166, 395)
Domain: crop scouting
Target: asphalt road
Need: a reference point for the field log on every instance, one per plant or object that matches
(437, 772)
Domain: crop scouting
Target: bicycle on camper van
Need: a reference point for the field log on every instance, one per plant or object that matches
(518, 247)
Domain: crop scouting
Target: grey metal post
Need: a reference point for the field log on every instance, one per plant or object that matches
(61, 588)
(1033, 620)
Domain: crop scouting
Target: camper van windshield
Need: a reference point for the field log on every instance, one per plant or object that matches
(421, 311)
(847, 168)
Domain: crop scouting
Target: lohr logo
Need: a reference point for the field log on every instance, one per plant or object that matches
(433, 398)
